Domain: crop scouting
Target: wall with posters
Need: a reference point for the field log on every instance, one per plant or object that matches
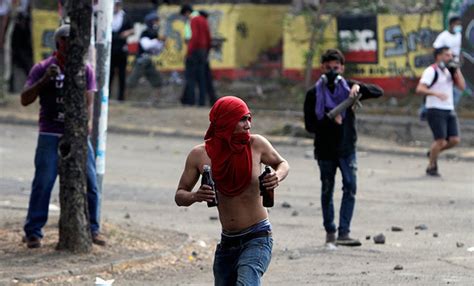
(239, 28)
(390, 50)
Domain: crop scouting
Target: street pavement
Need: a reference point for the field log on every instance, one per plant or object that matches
(142, 171)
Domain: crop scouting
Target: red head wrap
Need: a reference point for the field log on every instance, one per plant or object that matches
(231, 155)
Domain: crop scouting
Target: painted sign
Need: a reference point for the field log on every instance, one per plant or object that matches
(394, 57)
(357, 36)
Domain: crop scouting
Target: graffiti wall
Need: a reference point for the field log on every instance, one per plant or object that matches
(239, 28)
(384, 49)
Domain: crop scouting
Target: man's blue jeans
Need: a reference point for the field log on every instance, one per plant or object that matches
(244, 264)
(46, 171)
(328, 168)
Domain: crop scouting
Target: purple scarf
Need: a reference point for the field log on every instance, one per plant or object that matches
(325, 99)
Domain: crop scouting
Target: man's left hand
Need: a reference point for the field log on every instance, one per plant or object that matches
(354, 90)
(270, 181)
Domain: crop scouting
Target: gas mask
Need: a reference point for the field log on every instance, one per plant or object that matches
(331, 78)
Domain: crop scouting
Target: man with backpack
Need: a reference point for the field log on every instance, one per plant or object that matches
(436, 84)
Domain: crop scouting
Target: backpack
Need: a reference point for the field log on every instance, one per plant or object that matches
(435, 75)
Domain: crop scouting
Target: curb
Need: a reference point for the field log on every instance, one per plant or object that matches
(114, 265)
(130, 129)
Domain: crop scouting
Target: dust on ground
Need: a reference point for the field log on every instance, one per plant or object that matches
(130, 254)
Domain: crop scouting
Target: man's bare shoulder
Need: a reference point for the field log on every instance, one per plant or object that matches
(198, 150)
(258, 140)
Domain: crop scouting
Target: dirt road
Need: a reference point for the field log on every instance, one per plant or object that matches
(142, 174)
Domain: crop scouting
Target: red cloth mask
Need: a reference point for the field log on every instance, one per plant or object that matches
(231, 155)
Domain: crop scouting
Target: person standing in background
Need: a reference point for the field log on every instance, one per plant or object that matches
(198, 37)
(121, 29)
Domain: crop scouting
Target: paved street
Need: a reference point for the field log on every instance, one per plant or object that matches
(142, 175)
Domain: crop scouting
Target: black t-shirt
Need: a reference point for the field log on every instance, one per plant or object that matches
(148, 33)
(119, 45)
(331, 140)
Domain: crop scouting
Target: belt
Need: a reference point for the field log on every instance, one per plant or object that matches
(240, 240)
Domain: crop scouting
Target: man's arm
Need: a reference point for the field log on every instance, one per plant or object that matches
(270, 156)
(423, 89)
(367, 90)
(31, 92)
(309, 110)
(90, 109)
(458, 79)
(184, 195)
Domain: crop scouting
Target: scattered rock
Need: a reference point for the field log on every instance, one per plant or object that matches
(201, 243)
(213, 217)
(194, 253)
(421, 227)
(367, 237)
(397, 228)
(379, 238)
(416, 232)
(127, 216)
(294, 255)
(398, 267)
(285, 205)
(459, 244)
(435, 234)
(295, 213)
(452, 202)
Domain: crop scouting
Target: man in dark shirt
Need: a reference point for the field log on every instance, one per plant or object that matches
(150, 44)
(335, 140)
(122, 28)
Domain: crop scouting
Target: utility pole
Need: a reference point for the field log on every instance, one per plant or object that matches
(101, 102)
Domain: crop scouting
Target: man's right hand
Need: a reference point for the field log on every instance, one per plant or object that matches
(442, 96)
(204, 194)
(51, 72)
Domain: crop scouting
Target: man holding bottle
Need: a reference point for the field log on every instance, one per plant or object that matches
(235, 157)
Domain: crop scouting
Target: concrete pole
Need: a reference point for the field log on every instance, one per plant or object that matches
(101, 103)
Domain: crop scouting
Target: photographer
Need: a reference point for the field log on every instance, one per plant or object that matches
(436, 84)
(335, 140)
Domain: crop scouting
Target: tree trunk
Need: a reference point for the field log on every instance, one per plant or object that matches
(74, 226)
(317, 30)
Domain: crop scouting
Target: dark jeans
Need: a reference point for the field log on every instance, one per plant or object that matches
(118, 61)
(328, 168)
(144, 66)
(46, 171)
(195, 72)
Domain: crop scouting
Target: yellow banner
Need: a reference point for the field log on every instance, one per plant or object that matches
(44, 23)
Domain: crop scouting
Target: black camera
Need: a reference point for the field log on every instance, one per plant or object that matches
(452, 67)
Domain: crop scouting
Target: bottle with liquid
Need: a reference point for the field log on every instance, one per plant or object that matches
(267, 195)
(207, 180)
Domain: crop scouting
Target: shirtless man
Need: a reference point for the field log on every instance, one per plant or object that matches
(236, 159)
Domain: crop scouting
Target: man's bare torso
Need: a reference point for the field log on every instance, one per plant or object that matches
(242, 211)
